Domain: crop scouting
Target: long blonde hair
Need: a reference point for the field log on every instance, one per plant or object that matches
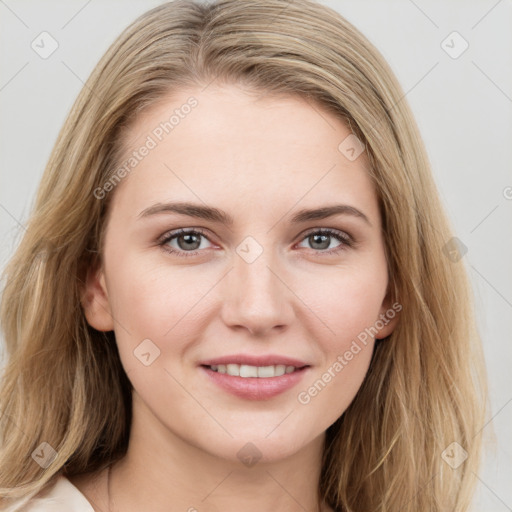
(426, 388)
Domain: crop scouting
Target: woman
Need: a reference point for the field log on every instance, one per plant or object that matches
(258, 370)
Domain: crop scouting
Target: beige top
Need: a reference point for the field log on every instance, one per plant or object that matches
(62, 497)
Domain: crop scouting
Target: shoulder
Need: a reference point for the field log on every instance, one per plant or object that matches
(62, 496)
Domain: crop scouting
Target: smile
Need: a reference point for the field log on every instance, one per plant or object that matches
(245, 370)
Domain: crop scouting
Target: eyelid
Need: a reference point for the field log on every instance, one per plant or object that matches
(181, 231)
(323, 229)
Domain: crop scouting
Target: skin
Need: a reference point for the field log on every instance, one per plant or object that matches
(260, 159)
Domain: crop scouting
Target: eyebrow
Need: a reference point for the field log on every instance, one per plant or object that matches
(215, 215)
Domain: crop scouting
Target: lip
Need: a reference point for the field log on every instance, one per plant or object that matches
(255, 388)
(252, 360)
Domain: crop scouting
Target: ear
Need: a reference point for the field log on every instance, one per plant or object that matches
(95, 301)
(388, 317)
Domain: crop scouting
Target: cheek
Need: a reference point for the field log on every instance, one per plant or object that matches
(152, 302)
(348, 303)
(348, 307)
(329, 393)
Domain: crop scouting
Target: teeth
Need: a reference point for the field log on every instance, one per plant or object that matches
(248, 371)
(267, 371)
(233, 369)
(279, 370)
(245, 370)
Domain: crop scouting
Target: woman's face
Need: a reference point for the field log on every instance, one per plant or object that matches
(267, 284)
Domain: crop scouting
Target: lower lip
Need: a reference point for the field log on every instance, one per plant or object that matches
(255, 388)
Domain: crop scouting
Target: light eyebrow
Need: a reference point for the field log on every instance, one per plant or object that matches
(191, 210)
(215, 215)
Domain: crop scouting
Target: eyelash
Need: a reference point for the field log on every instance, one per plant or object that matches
(346, 240)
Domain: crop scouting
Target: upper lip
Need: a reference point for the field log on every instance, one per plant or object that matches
(252, 360)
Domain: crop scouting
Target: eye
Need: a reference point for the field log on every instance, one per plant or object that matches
(321, 239)
(186, 239)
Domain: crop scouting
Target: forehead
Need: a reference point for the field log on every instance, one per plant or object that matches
(233, 146)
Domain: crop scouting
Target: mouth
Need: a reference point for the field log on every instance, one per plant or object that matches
(254, 382)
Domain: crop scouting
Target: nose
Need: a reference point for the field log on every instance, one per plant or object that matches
(256, 296)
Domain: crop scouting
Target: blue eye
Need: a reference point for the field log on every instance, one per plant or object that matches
(191, 239)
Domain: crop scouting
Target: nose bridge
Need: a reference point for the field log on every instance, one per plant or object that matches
(255, 296)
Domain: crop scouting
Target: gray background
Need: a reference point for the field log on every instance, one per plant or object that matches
(463, 107)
